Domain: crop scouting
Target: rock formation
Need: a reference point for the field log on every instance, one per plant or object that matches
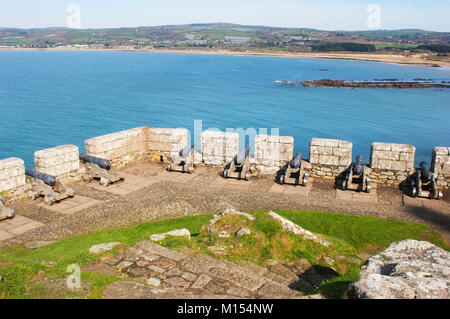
(408, 269)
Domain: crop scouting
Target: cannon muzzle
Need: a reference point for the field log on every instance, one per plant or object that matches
(103, 163)
(427, 175)
(297, 161)
(186, 150)
(47, 179)
(358, 167)
(242, 155)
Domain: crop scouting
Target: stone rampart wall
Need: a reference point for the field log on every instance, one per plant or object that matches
(12, 178)
(272, 152)
(391, 163)
(60, 161)
(329, 157)
(440, 165)
(219, 148)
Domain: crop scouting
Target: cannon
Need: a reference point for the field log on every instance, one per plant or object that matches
(99, 168)
(423, 183)
(357, 176)
(184, 158)
(6, 212)
(239, 167)
(48, 187)
(295, 172)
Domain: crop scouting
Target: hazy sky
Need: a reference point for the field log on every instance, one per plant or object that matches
(327, 14)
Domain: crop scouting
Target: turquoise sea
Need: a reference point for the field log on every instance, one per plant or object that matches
(49, 98)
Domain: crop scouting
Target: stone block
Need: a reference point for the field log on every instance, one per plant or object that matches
(12, 174)
(328, 160)
(324, 142)
(380, 146)
(391, 165)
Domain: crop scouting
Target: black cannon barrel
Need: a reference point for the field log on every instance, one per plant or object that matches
(242, 155)
(186, 150)
(358, 168)
(427, 175)
(297, 161)
(47, 179)
(103, 163)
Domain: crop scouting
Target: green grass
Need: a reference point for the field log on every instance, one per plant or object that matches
(351, 235)
(362, 232)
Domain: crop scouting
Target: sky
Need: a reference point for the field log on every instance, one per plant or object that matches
(430, 15)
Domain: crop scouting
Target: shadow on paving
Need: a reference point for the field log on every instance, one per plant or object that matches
(429, 215)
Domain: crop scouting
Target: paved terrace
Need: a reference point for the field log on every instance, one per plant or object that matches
(151, 193)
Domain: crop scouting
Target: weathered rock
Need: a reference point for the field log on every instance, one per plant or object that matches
(124, 264)
(297, 230)
(271, 262)
(223, 234)
(218, 250)
(153, 248)
(201, 281)
(101, 248)
(154, 282)
(243, 231)
(177, 232)
(133, 290)
(406, 269)
(100, 268)
(136, 272)
(211, 225)
(328, 260)
(177, 282)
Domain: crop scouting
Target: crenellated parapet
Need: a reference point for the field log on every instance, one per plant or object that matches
(390, 163)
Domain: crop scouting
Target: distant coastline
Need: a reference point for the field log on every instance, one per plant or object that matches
(416, 59)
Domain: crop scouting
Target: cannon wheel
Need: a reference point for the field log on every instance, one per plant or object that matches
(282, 179)
(32, 195)
(48, 200)
(169, 167)
(247, 175)
(104, 182)
(304, 180)
(225, 173)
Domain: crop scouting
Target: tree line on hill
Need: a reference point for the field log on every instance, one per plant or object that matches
(344, 46)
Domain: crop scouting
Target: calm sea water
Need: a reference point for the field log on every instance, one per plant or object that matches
(53, 98)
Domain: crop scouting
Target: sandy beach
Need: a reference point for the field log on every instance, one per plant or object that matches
(414, 59)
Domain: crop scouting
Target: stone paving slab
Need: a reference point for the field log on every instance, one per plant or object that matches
(289, 189)
(16, 226)
(72, 205)
(425, 202)
(232, 183)
(200, 274)
(354, 196)
(176, 176)
(132, 183)
(4, 235)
